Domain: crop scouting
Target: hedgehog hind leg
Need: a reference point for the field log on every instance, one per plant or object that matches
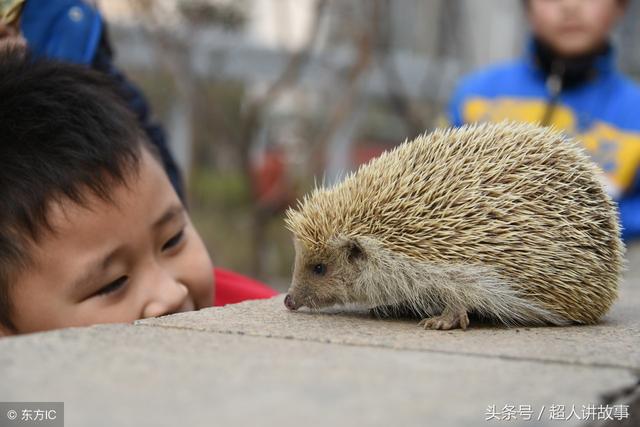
(486, 292)
(450, 318)
(459, 289)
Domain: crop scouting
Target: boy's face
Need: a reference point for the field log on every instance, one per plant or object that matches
(134, 258)
(573, 27)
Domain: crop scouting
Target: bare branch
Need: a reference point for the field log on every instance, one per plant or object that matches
(363, 41)
(297, 61)
(397, 94)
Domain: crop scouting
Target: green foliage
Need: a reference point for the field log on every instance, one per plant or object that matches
(223, 191)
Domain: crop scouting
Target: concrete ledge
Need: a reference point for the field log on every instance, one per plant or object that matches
(612, 343)
(122, 375)
(255, 363)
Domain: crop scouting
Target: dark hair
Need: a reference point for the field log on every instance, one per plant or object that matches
(65, 134)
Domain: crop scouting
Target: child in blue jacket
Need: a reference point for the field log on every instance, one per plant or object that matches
(568, 79)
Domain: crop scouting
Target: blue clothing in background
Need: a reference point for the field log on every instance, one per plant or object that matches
(74, 31)
(602, 113)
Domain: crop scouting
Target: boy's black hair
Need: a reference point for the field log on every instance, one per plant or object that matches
(64, 134)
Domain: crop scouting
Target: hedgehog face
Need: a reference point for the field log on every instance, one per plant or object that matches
(326, 276)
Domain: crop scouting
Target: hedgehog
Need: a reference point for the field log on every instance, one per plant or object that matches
(508, 222)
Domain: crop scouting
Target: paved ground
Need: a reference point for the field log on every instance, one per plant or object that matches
(257, 364)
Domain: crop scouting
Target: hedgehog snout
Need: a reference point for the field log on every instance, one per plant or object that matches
(289, 303)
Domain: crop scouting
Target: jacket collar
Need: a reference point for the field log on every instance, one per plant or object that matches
(572, 71)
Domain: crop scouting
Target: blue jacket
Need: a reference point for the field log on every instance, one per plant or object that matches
(603, 114)
(74, 31)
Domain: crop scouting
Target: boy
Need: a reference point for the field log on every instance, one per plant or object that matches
(91, 230)
(568, 79)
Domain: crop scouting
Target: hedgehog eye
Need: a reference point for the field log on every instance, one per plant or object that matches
(320, 269)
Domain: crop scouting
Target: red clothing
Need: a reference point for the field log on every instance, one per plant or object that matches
(231, 288)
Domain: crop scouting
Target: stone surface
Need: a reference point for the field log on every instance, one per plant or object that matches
(605, 344)
(257, 364)
(132, 376)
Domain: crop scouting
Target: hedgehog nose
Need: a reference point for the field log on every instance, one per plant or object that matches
(288, 302)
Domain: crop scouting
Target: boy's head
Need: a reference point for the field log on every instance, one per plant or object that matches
(574, 27)
(91, 230)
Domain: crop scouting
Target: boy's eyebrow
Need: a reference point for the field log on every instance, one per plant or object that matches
(169, 215)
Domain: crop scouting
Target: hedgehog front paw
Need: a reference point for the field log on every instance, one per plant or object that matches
(449, 319)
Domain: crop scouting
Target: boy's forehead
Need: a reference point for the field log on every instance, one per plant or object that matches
(63, 212)
(131, 204)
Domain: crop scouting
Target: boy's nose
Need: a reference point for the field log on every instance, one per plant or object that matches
(168, 299)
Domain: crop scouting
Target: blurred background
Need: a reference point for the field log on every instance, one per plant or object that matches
(264, 99)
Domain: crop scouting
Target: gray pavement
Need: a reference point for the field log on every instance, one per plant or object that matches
(257, 364)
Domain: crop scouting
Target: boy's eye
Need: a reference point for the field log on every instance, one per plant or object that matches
(174, 240)
(113, 286)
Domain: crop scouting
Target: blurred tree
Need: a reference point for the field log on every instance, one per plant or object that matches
(277, 96)
(231, 16)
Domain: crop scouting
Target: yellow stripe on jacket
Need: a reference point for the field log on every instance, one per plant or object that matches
(616, 151)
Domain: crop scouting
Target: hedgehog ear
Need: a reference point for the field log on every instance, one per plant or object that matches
(355, 250)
